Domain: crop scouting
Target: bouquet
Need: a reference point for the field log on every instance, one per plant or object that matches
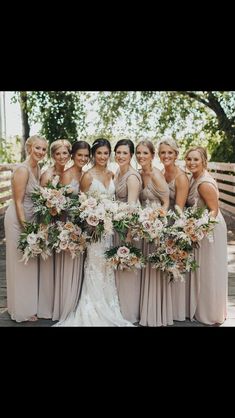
(51, 202)
(125, 217)
(94, 214)
(174, 255)
(125, 258)
(66, 236)
(178, 240)
(193, 224)
(34, 241)
(150, 223)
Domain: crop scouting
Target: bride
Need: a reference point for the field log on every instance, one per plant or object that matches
(99, 304)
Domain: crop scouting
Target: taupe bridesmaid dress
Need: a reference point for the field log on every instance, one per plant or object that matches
(177, 287)
(207, 288)
(46, 271)
(22, 279)
(68, 279)
(128, 283)
(156, 302)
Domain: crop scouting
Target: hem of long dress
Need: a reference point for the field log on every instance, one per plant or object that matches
(156, 325)
(210, 323)
(13, 318)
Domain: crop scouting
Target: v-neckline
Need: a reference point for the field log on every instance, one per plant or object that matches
(106, 188)
(37, 179)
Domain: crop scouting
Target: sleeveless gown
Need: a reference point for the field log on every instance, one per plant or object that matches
(128, 282)
(68, 278)
(207, 287)
(177, 288)
(155, 302)
(22, 279)
(98, 304)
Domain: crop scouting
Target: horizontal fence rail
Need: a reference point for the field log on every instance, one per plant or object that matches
(5, 186)
(223, 173)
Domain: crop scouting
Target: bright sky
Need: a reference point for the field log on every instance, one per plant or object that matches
(13, 118)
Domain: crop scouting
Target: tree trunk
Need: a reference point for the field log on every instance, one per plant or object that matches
(25, 122)
(225, 125)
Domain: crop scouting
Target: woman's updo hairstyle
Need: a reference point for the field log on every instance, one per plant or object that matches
(127, 142)
(55, 145)
(30, 141)
(80, 145)
(100, 142)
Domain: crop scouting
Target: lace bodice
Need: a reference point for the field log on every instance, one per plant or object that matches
(97, 185)
(75, 186)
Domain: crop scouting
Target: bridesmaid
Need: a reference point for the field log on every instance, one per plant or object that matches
(207, 290)
(22, 280)
(156, 303)
(127, 189)
(60, 153)
(178, 184)
(68, 271)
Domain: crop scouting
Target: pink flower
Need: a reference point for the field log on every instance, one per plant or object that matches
(123, 252)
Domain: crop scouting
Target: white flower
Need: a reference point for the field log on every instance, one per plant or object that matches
(202, 221)
(32, 239)
(55, 181)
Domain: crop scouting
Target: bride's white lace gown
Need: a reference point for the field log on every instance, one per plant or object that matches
(99, 304)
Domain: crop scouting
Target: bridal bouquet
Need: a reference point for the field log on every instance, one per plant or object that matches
(125, 258)
(94, 214)
(151, 222)
(66, 236)
(52, 201)
(34, 241)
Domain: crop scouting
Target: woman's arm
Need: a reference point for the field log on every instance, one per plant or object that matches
(19, 183)
(45, 177)
(209, 195)
(133, 185)
(86, 182)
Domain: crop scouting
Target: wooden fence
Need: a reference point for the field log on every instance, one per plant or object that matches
(5, 186)
(224, 173)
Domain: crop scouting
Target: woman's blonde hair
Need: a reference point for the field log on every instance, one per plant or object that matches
(202, 151)
(30, 141)
(168, 140)
(147, 143)
(59, 143)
